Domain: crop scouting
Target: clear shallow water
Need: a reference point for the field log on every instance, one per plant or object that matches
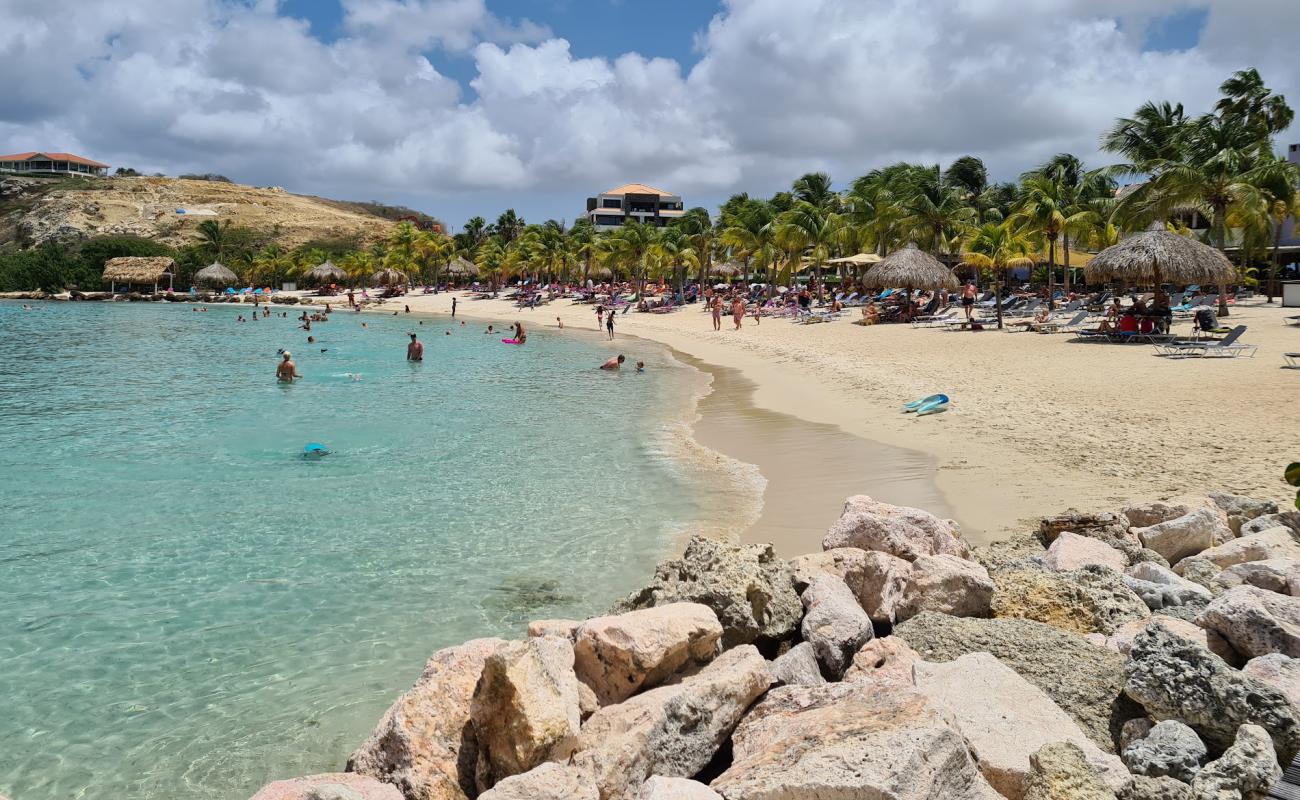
(188, 609)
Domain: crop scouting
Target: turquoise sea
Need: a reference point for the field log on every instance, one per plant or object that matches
(189, 609)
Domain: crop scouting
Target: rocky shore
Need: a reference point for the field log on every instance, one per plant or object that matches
(1143, 653)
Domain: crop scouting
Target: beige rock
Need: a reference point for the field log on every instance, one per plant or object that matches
(898, 530)
(421, 744)
(1275, 543)
(1154, 573)
(1005, 719)
(1122, 639)
(1245, 771)
(845, 562)
(526, 709)
(1071, 551)
(1255, 621)
(849, 741)
(587, 702)
(620, 655)
(1187, 535)
(1142, 515)
(947, 584)
(833, 623)
(566, 628)
(1087, 600)
(1279, 671)
(1060, 771)
(674, 730)
(549, 781)
(883, 661)
(329, 786)
(876, 579)
(1281, 575)
(661, 788)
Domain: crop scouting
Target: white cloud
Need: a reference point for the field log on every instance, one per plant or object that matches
(843, 85)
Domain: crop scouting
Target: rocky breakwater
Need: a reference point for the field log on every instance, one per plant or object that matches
(1129, 654)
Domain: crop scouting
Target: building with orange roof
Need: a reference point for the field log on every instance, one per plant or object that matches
(46, 163)
(611, 209)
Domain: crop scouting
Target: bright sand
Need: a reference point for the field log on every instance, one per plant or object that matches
(1038, 423)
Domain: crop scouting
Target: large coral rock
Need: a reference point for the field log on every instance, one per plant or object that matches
(1024, 551)
(425, 743)
(1060, 771)
(1072, 551)
(898, 530)
(797, 666)
(885, 661)
(1162, 589)
(1281, 575)
(947, 584)
(1084, 680)
(1121, 641)
(746, 585)
(1287, 519)
(661, 788)
(1144, 788)
(1155, 573)
(1005, 719)
(1171, 748)
(1187, 535)
(1256, 621)
(564, 628)
(1109, 528)
(849, 741)
(1245, 771)
(1176, 679)
(1270, 544)
(876, 579)
(1088, 600)
(673, 730)
(834, 624)
(525, 709)
(1279, 671)
(619, 655)
(1241, 509)
(549, 781)
(329, 786)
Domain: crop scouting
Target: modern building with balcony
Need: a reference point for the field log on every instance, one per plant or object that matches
(36, 163)
(609, 210)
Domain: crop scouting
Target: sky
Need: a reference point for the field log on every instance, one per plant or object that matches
(467, 107)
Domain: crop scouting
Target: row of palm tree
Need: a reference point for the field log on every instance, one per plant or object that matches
(1219, 167)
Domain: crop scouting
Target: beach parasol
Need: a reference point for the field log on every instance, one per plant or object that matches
(910, 268)
(216, 274)
(325, 272)
(461, 266)
(1153, 257)
(859, 260)
(388, 277)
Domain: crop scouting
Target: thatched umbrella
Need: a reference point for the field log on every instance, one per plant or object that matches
(216, 274)
(388, 277)
(910, 268)
(142, 270)
(325, 272)
(1157, 256)
(462, 267)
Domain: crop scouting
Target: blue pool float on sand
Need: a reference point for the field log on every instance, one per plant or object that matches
(916, 404)
(933, 405)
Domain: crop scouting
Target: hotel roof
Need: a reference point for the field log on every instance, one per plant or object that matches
(638, 188)
(52, 157)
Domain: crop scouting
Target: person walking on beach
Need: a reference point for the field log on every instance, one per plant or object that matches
(600, 317)
(286, 371)
(968, 294)
(453, 307)
(415, 350)
(716, 305)
(738, 311)
(609, 325)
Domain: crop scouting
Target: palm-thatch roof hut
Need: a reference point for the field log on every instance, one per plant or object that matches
(388, 277)
(729, 269)
(1153, 257)
(462, 267)
(910, 268)
(216, 274)
(325, 272)
(139, 271)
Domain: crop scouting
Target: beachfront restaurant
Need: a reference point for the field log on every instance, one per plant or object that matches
(137, 272)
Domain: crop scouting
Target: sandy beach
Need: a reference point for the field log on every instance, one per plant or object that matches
(1037, 422)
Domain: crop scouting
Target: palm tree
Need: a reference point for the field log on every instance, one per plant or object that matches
(431, 249)
(213, 235)
(746, 227)
(809, 228)
(508, 226)
(997, 247)
(969, 174)
(582, 243)
(1042, 212)
(874, 214)
(674, 248)
(1154, 133)
(931, 206)
(629, 246)
(698, 226)
(1264, 207)
(815, 189)
(1246, 98)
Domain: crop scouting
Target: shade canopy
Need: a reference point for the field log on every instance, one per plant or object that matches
(727, 269)
(859, 260)
(388, 277)
(325, 272)
(910, 268)
(138, 269)
(462, 266)
(1078, 258)
(216, 274)
(1157, 256)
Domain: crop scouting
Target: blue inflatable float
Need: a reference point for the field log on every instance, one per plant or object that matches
(315, 450)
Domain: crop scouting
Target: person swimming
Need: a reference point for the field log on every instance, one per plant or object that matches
(640, 366)
(489, 330)
(614, 363)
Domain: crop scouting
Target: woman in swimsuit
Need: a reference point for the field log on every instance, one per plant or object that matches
(716, 304)
(738, 311)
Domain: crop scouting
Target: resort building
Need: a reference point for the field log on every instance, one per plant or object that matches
(36, 163)
(652, 206)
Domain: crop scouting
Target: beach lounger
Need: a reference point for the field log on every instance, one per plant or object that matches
(1291, 320)
(1225, 347)
(1052, 326)
(1292, 360)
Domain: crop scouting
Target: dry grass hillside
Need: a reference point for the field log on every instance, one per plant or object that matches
(34, 211)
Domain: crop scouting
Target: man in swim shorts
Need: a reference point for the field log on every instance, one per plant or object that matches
(614, 363)
(415, 350)
(286, 371)
(968, 293)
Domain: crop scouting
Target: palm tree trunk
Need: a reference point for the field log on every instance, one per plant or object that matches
(1274, 263)
(1221, 237)
(1051, 272)
(997, 293)
(1065, 257)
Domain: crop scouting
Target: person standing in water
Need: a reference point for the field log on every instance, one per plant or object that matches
(286, 371)
(415, 350)
(520, 336)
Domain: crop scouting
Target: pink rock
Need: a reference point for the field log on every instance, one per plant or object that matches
(1272, 544)
(619, 655)
(947, 584)
(1279, 671)
(1178, 538)
(876, 579)
(329, 786)
(1072, 551)
(898, 530)
(888, 660)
